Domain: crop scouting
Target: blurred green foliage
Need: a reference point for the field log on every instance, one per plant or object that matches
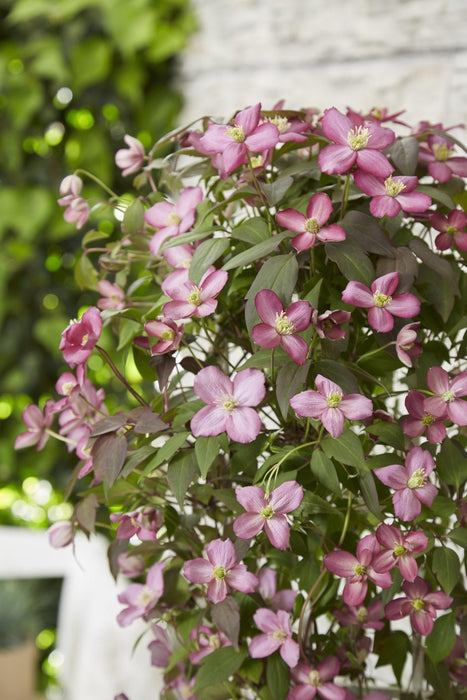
(75, 76)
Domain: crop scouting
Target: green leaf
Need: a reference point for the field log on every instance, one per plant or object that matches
(275, 191)
(278, 274)
(278, 677)
(370, 494)
(451, 463)
(166, 452)
(205, 254)
(133, 219)
(441, 641)
(324, 470)
(437, 194)
(404, 155)
(392, 649)
(180, 473)
(346, 448)
(206, 450)
(86, 274)
(256, 252)
(226, 617)
(289, 379)
(432, 260)
(352, 261)
(254, 230)
(218, 667)
(446, 567)
(438, 676)
(459, 536)
(364, 231)
(388, 434)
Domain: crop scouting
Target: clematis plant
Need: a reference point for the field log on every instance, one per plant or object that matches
(278, 457)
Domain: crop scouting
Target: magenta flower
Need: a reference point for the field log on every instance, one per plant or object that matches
(228, 403)
(190, 299)
(456, 662)
(357, 570)
(381, 301)
(442, 164)
(171, 220)
(366, 618)
(279, 327)
(267, 512)
(208, 641)
(267, 588)
(141, 598)
(399, 550)
(167, 331)
(329, 405)
(289, 130)
(354, 144)
(77, 208)
(328, 324)
(447, 402)
(80, 337)
(420, 420)
(277, 634)
(420, 603)
(112, 296)
(132, 158)
(410, 482)
(311, 681)
(406, 345)
(310, 227)
(38, 423)
(220, 570)
(237, 142)
(452, 229)
(144, 522)
(393, 194)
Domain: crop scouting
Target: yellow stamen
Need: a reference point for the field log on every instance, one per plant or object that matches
(358, 138)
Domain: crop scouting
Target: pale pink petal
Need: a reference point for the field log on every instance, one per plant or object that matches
(422, 622)
(408, 567)
(248, 118)
(296, 348)
(333, 421)
(302, 692)
(198, 570)
(249, 387)
(328, 668)
(251, 498)
(209, 421)
(354, 592)
(395, 476)
(188, 200)
(369, 184)
(157, 216)
(426, 493)
(406, 505)
(206, 308)
(457, 411)
(290, 652)
(263, 645)
(248, 525)
(217, 590)
(287, 497)
(336, 126)
(212, 283)
(299, 314)
(277, 531)
(265, 136)
(154, 577)
(243, 424)
(404, 305)
(374, 161)
(356, 407)
(384, 206)
(308, 403)
(266, 336)
(438, 380)
(210, 384)
(221, 553)
(233, 156)
(331, 233)
(336, 159)
(241, 579)
(326, 386)
(330, 691)
(266, 620)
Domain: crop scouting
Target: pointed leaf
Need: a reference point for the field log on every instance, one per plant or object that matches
(346, 448)
(205, 255)
(289, 379)
(441, 641)
(278, 677)
(85, 513)
(180, 473)
(324, 470)
(108, 457)
(166, 452)
(226, 617)
(352, 261)
(256, 252)
(446, 567)
(218, 667)
(365, 232)
(404, 155)
(279, 274)
(206, 450)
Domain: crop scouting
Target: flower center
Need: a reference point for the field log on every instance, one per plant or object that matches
(334, 399)
(145, 597)
(228, 404)
(451, 230)
(173, 219)
(358, 138)
(194, 297)
(220, 572)
(381, 299)
(168, 335)
(282, 123)
(214, 641)
(283, 325)
(257, 161)
(314, 678)
(236, 132)
(399, 550)
(362, 614)
(417, 479)
(428, 419)
(442, 151)
(418, 604)
(448, 396)
(280, 635)
(393, 187)
(84, 339)
(408, 346)
(68, 387)
(312, 226)
(267, 512)
(360, 570)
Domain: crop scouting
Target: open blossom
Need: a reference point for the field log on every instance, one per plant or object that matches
(328, 324)
(364, 617)
(420, 421)
(167, 331)
(420, 603)
(310, 228)
(229, 403)
(208, 641)
(399, 550)
(448, 401)
(279, 327)
(132, 158)
(410, 482)
(267, 588)
(456, 661)
(381, 301)
(144, 522)
(393, 194)
(406, 345)
(220, 571)
(171, 220)
(190, 299)
(140, 598)
(112, 296)
(77, 208)
(311, 681)
(267, 512)
(37, 422)
(357, 570)
(354, 144)
(80, 337)
(452, 229)
(277, 634)
(442, 163)
(329, 405)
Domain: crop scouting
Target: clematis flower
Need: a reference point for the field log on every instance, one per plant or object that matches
(167, 331)
(277, 634)
(329, 405)
(228, 403)
(456, 662)
(406, 345)
(171, 220)
(393, 194)
(442, 164)
(448, 401)
(61, 534)
(452, 229)
(420, 603)
(220, 570)
(354, 144)
(160, 647)
(420, 421)
(410, 482)
(190, 299)
(112, 296)
(289, 130)
(144, 522)
(279, 327)
(381, 301)
(267, 512)
(357, 570)
(207, 641)
(311, 681)
(399, 550)
(328, 324)
(267, 588)
(310, 228)
(37, 422)
(132, 158)
(130, 564)
(141, 598)
(364, 617)
(80, 337)
(77, 208)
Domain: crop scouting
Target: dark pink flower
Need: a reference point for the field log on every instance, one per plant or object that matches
(207, 641)
(381, 301)
(329, 405)
(220, 570)
(80, 337)
(399, 550)
(132, 158)
(354, 144)
(267, 588)
(277, 634)
(171, 220)
(410, 482)
(456, 662)
(442, 164)
(141, 598)
(393, 194)
(420, 603)
(144, 522)
(289, 130)
(448, 401)
(420, 420)
(37, 422)
(279, 327)
(112, 296)
(267, 512)
(364, 617)
(328, 324)
(190, 299)
(406, 345)
(357, 570)
(167, 331)
(311, 227)
(311, 681)
(228, 403)
(452, 229)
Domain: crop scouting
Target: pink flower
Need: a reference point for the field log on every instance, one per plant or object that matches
(38, 423)
(237, 142)
(190, 299)
(456, 662)
(328, 324)
(220, 570)
(289, 130)
(279, 327)
(80, 337)
(311, 681)
(447, 402)
(393, 194)
(357, 570)
(438, 153)
(381, 301)
(410, 482)
(77, 208)
(452, 229)
(228, 403)
(113, 296)
(132, 158)
(267, 512)
(169, 333)
(366, 618)
(420, 420)
(310, 227)
(354, 144)
(406, 345)
(267, 588)
(61, 534)
(399, 550)
(172, 219)
(160, 647)
(277, 635)
(420, 603)
(329, 405)
(141, 598)
(208, 641)
(130, 564)
(143, 522)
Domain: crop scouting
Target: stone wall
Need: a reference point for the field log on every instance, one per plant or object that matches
(401, 54)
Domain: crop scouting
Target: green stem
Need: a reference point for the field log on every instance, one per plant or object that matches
(373, 352)
(345, 195)
(105, 355)
(98, 181)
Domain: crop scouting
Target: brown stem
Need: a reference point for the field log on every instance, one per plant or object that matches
(120, 376)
